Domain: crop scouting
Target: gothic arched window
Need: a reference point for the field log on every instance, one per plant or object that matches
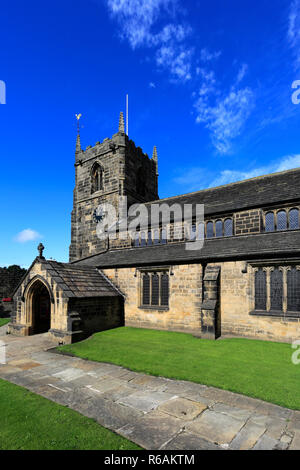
(294, 219)
(228, 228)
(269, 222)
(219, 228)
(209, 230)
(97, 178)
(281, 220)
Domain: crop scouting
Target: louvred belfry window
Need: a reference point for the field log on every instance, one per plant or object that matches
(155, 289)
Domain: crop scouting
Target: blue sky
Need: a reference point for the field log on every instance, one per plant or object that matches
(209, 83)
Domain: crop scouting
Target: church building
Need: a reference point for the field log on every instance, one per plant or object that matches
(244, 281)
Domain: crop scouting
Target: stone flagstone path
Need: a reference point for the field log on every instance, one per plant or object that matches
(154, 412)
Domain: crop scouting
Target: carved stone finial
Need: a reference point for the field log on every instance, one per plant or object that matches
(40, 250)
(154, 155)
(155, 159)
(121, 123)
(78, 144)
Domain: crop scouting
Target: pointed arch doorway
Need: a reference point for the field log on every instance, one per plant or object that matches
(38, 308)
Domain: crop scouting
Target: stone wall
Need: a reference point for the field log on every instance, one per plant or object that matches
(97, 314)
(184, 312)
(248, 222)
(236, 303)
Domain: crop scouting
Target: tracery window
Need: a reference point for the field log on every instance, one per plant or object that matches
(277, 290)
(155, 289)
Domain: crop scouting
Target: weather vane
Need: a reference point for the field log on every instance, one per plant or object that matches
(78, 116)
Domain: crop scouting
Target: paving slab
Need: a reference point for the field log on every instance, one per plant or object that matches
(69, 374)
(295, 445)
(149, 382)
(145, 400)
(247, 437)
(266, 443)
(294, 421)
(231, 411)
(118, 393)
(188, 441)
(6, 371)
(216, 427)
(153, 430)
(275, 411)
(105, 384)
(275, 426)
(182, 408)
(109, 414)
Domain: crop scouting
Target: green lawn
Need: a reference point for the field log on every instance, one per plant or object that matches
(4, 321)
(259, 369)
(31, 422)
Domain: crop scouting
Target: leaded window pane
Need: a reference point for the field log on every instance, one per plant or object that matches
(137, 239)
(193, 232)
(219, 228)
(209, 230)
(260, 290)
(163, 236)
(228, 228)
(201, 231)
(165, 290)
(156, 237)
(155, 290)
(146, 289)
(149, 238)
(294, 219)
(143, 239)
(276, 289)
(281, 220)
(270, 227)
(293, 290)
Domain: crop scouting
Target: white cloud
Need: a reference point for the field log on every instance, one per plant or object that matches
(138, 20)
(197, 178)
(294, 30)
(242, 72)
(27, 235)
(226, 118)
(177, 60)
(229, 176)
(207, 56)
(152, 85)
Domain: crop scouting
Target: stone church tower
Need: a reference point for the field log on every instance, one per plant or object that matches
(113, 168)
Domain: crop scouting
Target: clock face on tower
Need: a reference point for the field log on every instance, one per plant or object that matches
(98, 214)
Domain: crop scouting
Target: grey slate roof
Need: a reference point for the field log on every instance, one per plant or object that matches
(80, 281)
(261, 191)
(238, 247)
